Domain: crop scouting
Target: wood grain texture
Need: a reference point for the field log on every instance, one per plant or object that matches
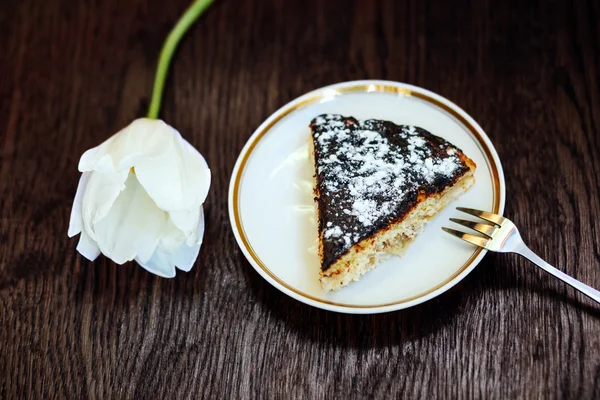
(74, 72)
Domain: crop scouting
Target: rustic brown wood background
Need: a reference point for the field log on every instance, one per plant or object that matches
(74, 72)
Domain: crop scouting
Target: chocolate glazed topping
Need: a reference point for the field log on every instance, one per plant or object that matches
(369, 175)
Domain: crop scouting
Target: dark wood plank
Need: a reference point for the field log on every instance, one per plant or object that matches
(72, 73)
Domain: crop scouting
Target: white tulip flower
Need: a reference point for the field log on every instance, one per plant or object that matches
(140, 198)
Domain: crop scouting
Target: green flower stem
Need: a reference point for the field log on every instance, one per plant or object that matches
(166, 54)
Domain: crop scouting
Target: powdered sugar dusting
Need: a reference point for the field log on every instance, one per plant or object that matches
(336, 231)
(369, 173)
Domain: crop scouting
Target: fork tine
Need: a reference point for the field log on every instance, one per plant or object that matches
(476, 240)
(486, 229)
(493, 218)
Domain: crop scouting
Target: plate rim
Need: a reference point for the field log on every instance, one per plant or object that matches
(361, 86)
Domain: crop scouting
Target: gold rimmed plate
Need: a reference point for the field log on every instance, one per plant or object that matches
(272, 211)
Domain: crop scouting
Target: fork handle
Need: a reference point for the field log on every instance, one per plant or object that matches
(583, 288)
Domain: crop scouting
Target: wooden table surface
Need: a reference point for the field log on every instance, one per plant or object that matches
(74, 72)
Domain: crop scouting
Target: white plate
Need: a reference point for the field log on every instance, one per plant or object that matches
(272, 211)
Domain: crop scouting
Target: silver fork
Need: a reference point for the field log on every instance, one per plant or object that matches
(501, 235)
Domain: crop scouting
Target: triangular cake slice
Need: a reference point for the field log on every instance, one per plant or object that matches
(376, 185)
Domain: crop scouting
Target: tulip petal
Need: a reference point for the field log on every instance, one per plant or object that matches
(133, 225)
(164, 260)
(142, 138)
(163, 263)
(177, 180)
(87, 247)
(185, 257)
(187, 223)
(200, 228)
(160, 264)
(101, 192)
(76, 222)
